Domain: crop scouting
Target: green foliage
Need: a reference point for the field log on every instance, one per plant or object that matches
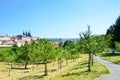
(4, 51)
(99, 43)
(3, 55)
(113, 34)
(95, 44)
(66, 55)
(116, 33)
(91, 44)
(117, 46)
(45, 50)
(24, 56)
(68, 44)
(13, 53)
(85, 41)
(41, 51)
(33, 52)
(72, 48)
(59, 53)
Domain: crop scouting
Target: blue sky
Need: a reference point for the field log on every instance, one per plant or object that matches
(57, 18)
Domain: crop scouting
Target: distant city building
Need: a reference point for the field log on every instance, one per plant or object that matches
(5, 40)
(18, 40)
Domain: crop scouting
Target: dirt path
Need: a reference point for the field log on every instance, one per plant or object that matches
(113, 68)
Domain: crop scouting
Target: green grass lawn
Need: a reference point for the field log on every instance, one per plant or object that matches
(74, 71)
(79, 72)
(115, 58)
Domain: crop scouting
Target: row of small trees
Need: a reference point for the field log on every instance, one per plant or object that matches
(41, 51)
(44, 51)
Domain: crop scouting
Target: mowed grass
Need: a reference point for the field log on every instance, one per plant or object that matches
(73, 71)
(79, 71)
(115, 58)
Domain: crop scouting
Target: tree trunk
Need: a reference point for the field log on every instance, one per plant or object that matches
(92, 59)
(73, 60)
(10, 67)
(66, 62)
(26, 64)
(46, 72)
(33, 66)
(53, 63)
(60, 64)
(37, 64)
(89, 59)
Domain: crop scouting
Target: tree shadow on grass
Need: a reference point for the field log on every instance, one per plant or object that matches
(76, 73)
(20, 68)
(110, 54)
(80, 65)
(34, 77)
(77, 67)
(53, 70)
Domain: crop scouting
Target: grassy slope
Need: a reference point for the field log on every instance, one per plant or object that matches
(79, 71)
(74, 71)
(115, 58)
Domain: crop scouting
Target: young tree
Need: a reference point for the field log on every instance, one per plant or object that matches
(24, 56)
(72, 48)
(67, 56)
(85, 38)
(91, 44)
(33, 55)
(11, 56)
(59, 56)
(46, 52)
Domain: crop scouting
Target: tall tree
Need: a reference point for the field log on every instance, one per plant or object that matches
(113, 34)
(86, 39)
(116, 33)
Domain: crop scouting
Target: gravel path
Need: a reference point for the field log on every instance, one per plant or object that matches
(113, 68)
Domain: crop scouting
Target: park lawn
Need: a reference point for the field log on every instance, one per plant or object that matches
(79, 71)
(115, 58)
(74, 71)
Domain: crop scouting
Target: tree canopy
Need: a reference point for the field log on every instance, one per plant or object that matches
(113, 34)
